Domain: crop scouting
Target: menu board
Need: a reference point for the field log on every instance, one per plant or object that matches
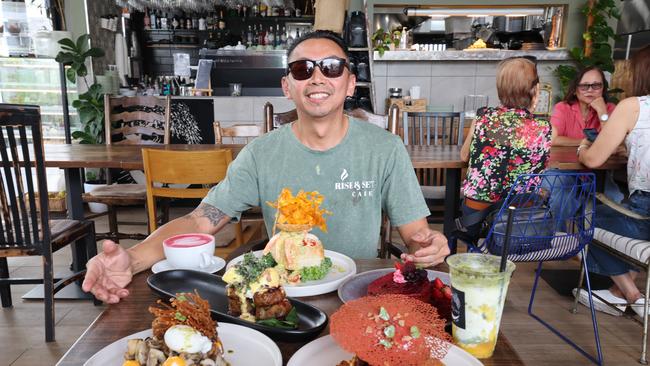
(203, 75)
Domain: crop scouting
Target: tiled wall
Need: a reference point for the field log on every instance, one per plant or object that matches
(445, 83)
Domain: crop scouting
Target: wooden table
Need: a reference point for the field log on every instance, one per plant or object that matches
(131, 316)
(72, 158)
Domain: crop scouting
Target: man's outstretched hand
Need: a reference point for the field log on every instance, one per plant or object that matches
(108, 273)
(432, 246)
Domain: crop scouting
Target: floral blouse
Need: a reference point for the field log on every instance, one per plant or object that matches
(506, 143)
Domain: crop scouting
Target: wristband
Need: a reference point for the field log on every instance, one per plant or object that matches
(580, 148)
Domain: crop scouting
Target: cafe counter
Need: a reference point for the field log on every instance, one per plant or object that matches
(446, 77)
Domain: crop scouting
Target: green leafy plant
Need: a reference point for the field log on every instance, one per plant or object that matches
(90, 104)
(596, 51)
(382, 40)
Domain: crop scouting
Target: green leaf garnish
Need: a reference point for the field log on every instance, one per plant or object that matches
(389, 331)
(415, 332)
(385, 343)
(292, 317)
(289, 322)
(383, 314)
(181, 298)
(180, 317)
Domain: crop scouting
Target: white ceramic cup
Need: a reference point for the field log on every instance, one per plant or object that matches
(414, 92)
(189, 251)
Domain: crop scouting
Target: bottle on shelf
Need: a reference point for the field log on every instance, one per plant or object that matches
(283, 37)
(289, 39)
(249, 37)
(261, 37)
(147, 20)
(256, 10)
(158, 21)
(263, 9)
(255, 36)
(163, 22)
(175, 23)
(270, 38)
(222, 20)
(202, 23)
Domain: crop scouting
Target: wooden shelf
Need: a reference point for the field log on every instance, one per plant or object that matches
(172, 45)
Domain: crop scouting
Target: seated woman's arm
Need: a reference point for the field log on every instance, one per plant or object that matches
(557, 140)
(612, 135)
(464, 150)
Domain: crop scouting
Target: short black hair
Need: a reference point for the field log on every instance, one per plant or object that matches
(320, 34)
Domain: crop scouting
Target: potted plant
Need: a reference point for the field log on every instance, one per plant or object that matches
(597, 50)
(89, 105)
(383, 40)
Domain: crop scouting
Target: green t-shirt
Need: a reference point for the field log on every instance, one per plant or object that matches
(369, 171)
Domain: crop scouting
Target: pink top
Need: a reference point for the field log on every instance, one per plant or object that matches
(568, 121)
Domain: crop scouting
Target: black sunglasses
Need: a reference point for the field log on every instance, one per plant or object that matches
(331, 67)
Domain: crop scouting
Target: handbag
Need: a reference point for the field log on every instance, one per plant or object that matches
(533, 229)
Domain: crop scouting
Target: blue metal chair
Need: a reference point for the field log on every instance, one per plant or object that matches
(552, 219)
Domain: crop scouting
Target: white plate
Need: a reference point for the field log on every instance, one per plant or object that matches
(325, 352)
(248, 346)
(217, 264)
(342, 268)
(357, 286)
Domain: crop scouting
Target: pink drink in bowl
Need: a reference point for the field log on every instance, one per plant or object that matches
(189, 251)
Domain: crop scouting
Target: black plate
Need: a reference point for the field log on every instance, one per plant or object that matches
(212, 288)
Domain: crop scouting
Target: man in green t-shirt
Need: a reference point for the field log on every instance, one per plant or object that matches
(359, 168)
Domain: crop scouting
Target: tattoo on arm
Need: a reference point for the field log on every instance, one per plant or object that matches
(213, 214)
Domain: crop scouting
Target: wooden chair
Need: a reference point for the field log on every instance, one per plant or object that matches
(130, 121)
(238, 134)
(432, 128)
(274, 120)
(25, 228)
(205, 168)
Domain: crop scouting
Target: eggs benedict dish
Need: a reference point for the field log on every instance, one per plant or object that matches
(255, 290)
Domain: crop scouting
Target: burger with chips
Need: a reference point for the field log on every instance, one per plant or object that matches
(299, 254)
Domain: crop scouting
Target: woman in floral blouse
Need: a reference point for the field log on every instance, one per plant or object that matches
(505, 141)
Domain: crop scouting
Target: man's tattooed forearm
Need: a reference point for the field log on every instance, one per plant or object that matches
(210, 212)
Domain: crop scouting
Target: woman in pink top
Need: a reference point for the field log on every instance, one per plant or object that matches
(585, 106)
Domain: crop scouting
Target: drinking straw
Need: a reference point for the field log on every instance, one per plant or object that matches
(506, 243)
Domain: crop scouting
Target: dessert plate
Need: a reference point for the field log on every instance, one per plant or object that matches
(311, 321)
(164, 265)
(242, 346)
(357, 286)
(325, 352)
(343, 267)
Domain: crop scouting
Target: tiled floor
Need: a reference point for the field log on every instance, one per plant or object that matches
(22, 334)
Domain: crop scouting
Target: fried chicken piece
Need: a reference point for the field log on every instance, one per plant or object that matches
(234, 303)
(278, 311)
(269, 297)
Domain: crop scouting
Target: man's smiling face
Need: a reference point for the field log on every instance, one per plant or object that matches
(318, 97)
